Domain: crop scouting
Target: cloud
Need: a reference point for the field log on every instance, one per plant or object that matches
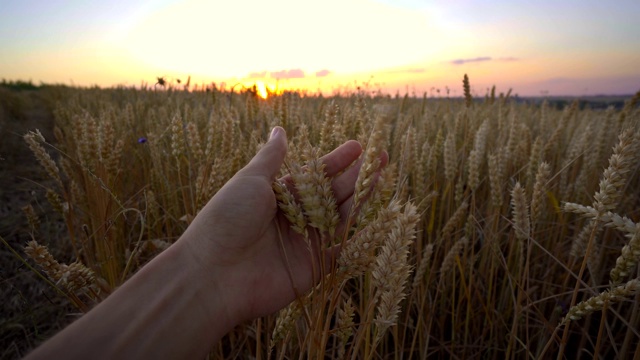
(257, 75)
(287, 74)
(464, 61)
(405, 71)
(482, 59)
(323, 73)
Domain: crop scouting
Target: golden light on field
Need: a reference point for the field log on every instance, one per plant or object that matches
(261, 90)
(457, 173)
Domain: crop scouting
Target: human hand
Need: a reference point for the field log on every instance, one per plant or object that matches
(239, 259)
(245, 246)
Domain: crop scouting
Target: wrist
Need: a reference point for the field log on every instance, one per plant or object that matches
(207, 278)
(170, 309)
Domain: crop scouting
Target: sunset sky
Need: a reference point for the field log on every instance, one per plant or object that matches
(557, 47)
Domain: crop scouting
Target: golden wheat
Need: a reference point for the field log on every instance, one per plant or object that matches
(514, 171)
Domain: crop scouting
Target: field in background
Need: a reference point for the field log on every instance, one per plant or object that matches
(498, 259)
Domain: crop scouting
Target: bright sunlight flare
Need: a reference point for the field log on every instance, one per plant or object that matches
(261, 90)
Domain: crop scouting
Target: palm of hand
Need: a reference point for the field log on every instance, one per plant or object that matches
(242, 233)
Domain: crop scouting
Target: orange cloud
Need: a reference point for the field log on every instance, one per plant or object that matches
(323, 73)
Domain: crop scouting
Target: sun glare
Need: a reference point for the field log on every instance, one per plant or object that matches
(262, 90)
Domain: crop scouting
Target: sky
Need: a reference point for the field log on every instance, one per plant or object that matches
(544, 47)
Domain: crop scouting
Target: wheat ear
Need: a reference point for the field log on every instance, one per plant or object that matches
(520, 212)
(423, 265)
(370, 163)
(359, 253)
(629, 257)
(290, 207)
(285, 322)
(449, 259)
(392, 270)
(316, 196)
(598, 302)
(344, 325)
(615, 176)
(35, 140)
(74, 277)
(538, 196)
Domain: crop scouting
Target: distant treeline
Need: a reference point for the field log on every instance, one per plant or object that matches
(589, 102)
(20, 85)
(560, 102)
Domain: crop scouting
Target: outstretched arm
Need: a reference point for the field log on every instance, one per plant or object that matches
(225, 269)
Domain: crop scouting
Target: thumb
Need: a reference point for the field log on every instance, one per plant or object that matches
(269, 159)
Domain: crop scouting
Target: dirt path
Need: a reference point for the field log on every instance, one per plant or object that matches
(19, 170)
(31, 311)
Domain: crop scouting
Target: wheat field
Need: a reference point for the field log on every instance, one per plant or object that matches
(499, 229)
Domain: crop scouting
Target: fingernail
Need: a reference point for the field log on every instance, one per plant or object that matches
(274, 132)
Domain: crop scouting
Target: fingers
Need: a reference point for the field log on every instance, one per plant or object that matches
(343, 156)
(343, 185)
(338, 163)
(269, 159)
(335, 162)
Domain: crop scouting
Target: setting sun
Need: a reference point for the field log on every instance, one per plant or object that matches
(261, 90)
